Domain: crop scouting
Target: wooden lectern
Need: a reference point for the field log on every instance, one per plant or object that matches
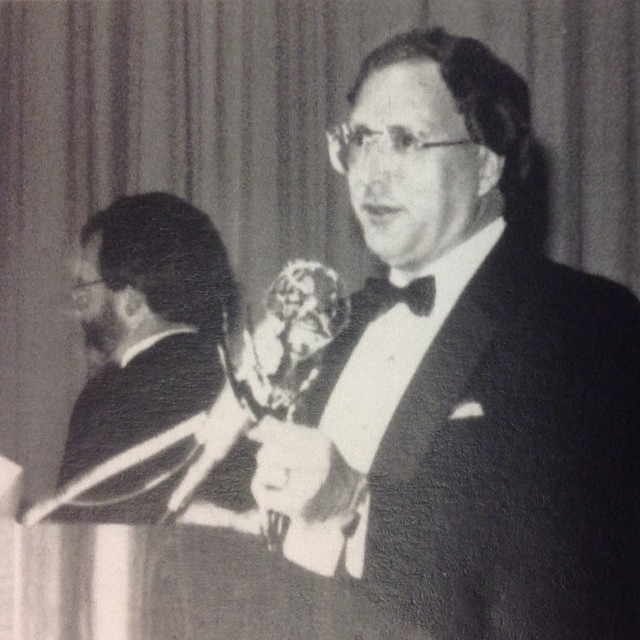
(178, 581)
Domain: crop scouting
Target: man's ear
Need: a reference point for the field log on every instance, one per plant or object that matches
(336, 152)
(491, 166)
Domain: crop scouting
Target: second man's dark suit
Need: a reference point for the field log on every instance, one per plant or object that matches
(521, 522)
(173, 380)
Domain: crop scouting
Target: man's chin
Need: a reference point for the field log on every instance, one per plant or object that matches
(385, 252)
(385, 241)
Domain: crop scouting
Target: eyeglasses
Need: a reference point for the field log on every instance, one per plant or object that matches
(81, 286)
(359, 142)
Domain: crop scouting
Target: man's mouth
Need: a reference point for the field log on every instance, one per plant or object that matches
(381, 209)
(381, 212)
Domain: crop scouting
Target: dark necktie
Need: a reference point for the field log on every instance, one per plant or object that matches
(419, 295)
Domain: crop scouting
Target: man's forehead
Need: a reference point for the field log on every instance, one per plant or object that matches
(91, 248)
(409, 93)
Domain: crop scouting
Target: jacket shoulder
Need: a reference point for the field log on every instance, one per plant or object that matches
(587, 298)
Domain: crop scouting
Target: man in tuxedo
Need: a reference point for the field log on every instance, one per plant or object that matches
(152, 289)
(474, 469)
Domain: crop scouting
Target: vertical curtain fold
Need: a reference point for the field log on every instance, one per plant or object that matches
(607, 136)
(226, 102)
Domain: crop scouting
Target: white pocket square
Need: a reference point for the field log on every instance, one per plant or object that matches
(467, 410)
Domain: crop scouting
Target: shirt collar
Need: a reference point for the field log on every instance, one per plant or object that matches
(147, 343)
(454, 270)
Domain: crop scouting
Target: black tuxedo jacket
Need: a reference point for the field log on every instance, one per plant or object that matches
(176, 378)
(521, 522)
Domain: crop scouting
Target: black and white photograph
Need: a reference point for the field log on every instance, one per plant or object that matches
(319, 319)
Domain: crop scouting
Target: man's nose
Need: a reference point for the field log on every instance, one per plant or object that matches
(377, 173)
(80, 303)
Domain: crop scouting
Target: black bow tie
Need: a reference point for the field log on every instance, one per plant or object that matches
(419, 295)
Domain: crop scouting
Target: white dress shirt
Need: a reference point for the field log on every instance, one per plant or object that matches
(370, 388)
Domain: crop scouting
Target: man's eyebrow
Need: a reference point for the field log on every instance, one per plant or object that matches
(420, 132)
(400, 128)
(393, 129)
(362, 128)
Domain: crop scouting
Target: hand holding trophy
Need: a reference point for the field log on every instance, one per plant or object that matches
(306, 308)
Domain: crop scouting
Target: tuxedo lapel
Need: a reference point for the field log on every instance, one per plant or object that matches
(488, 301)
(310, 405)
(434, 389)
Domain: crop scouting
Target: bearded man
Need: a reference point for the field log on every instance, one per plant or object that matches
(153, 287)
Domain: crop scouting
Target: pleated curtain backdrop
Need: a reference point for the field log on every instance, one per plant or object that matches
(222, 102)
(225, 102)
